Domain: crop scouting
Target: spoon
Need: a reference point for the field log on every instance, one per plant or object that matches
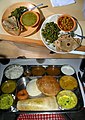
(73, 34)
(80, 36)
(35, 7)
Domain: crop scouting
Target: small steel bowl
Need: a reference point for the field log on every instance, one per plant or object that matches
(67, 100)
(37, 70)
(67, 69)
(4, 100)
(13, 71)
(53, 70)
(8, 86)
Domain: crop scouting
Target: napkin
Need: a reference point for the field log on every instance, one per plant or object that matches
(41, 117)
(61, 2)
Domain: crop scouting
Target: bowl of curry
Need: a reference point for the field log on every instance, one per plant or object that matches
(29, 19)
(67, 99)
(66, 23)
(68, 82)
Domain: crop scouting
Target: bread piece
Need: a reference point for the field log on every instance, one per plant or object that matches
(38, 104)
(67, 43)
(11, 25)
(48, 85)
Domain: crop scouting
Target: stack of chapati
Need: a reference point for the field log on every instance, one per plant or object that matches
(67, 43)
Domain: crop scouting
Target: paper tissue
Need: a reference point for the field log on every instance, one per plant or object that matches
(61, 2)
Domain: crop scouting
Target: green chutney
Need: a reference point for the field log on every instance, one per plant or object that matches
(29, 19)
(6, 101)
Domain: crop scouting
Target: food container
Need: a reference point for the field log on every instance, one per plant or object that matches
(29, 19)
(40, 98)
(67, 99)
(13, 71)
(53, 70)
(6, 101)
(68, 82)
(37, 70)
(66, 23)
(67, 70)
(8, 86)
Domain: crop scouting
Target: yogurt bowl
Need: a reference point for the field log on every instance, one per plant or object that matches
(67, 70)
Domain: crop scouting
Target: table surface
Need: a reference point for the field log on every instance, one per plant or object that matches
(13, 50)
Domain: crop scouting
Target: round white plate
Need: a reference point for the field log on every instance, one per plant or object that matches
(53, 18)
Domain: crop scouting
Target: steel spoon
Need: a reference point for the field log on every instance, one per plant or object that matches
(35, 7)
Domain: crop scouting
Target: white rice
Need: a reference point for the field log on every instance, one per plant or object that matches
(14, 71)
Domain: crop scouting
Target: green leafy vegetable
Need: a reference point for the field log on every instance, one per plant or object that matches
(18, 12)
(50, 32)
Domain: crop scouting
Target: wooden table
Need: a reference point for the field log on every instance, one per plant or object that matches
(29, 50)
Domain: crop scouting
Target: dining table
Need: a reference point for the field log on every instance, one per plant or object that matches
(31, 46)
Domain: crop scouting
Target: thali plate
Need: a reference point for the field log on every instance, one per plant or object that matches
(11, 8)
(53, 18)
(23, 81)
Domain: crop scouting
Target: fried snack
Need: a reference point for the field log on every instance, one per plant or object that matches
(22, 94)
(48, 85)
(38, 104)
(66, 43)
